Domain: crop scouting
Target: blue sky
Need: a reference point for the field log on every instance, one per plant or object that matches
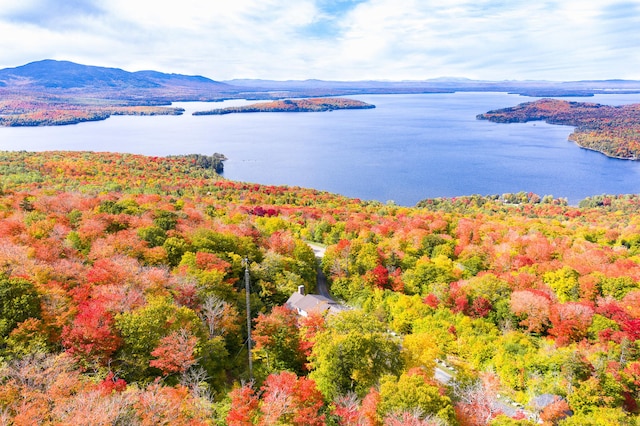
(332, 39)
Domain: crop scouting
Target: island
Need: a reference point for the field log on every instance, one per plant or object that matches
(293, 105)
(610, 130)
(28, 112)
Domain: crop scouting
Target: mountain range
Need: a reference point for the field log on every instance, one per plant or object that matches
(64, 78)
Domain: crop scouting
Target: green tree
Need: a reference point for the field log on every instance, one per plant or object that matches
(305, 263)
(367, 257)
(564, 283)
(28, 338)
(224, 244)
(617, 287)
(595, 393)
(176, 247)
(512, 352)
(414, 391)
(403, 310)
(504, 420)
(277, 277)
(600, 417)
(153, 235)
(488, 286)
(19, 301)
(165, 220)
(423, 279)
(352, 354)
(142, 330)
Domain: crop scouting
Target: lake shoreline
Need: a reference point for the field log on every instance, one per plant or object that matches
(408, 148)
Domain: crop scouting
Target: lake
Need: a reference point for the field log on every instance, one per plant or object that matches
(408, 148)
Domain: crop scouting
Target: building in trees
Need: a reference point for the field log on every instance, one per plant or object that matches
(304, 304)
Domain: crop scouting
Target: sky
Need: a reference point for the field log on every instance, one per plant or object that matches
(560, 40)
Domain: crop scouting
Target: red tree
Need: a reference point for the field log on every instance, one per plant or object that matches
(480, 307)
(534, 306)
(244, 406)
(112, 384)
(379, 277)
(91, 337)
(554, 412)
(310, 326)
(347, 409)
(476, 405)
(570, 322)
(174, 354)
(351, 412)
(292, 400)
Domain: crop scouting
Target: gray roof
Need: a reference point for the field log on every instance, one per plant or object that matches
(294, 299)
(313, 303)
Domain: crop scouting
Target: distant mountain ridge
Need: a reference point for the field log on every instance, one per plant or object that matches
(59, 76)
(537, 88)
(50, 73)
(68, 79)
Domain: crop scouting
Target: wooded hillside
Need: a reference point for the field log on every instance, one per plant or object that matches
(123, 301)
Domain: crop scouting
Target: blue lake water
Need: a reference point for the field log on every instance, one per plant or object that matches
(408, 148)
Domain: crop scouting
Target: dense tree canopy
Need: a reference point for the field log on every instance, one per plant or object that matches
(353, 354)
(122, 282)
(19, 301)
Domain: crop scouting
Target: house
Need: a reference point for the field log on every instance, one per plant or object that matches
(304, 304)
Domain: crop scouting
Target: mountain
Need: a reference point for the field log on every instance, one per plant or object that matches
(59, 76)
(62, 78)
(439, 85)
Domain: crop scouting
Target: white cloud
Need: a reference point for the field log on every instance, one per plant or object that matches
(382, 39)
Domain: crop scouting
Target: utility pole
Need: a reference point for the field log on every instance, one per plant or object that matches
(247, 293)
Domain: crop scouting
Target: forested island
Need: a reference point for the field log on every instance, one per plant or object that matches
(29, 111)
(123, 302)
(611, 130)
(293, 105)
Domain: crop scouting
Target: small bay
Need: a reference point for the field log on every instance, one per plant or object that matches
(408, 148)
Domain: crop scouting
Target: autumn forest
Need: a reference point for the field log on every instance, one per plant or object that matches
(123, 302)
(122, 280)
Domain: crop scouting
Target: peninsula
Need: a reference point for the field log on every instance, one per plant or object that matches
(293, 105)
(611, 130)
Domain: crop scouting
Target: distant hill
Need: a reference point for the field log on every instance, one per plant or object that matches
(59, 76)
(53, 93)
(437, 85)
(62, 78)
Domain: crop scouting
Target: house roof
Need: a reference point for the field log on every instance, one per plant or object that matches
(305, 304)
(294, 299)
